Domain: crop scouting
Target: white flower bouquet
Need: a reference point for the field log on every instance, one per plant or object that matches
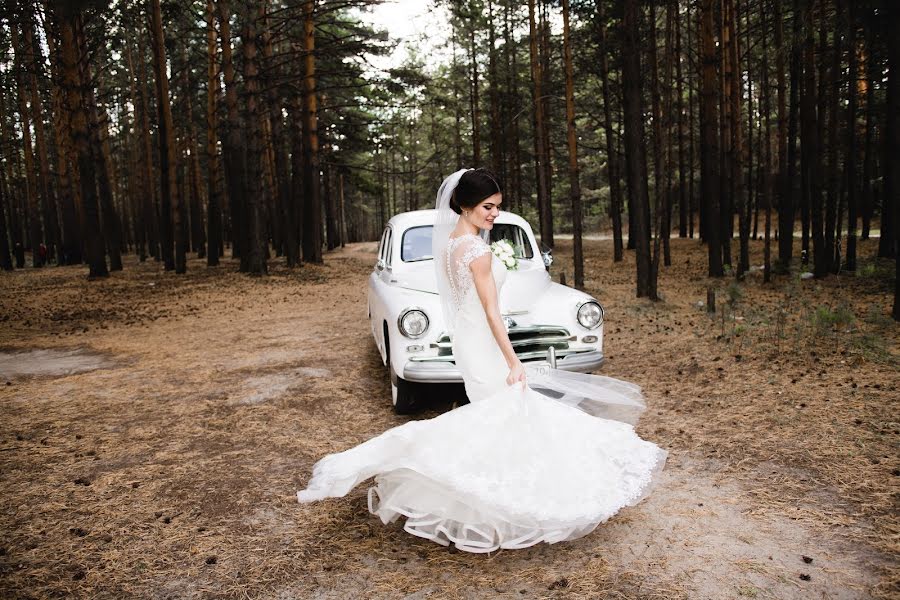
(503, 250)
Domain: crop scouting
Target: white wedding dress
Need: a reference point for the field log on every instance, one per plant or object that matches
(512, 468)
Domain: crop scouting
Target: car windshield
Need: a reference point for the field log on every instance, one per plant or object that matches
(417, 241)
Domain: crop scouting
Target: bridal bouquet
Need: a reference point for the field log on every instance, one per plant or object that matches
(503, 250)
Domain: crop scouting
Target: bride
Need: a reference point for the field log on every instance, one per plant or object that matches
(539, 455)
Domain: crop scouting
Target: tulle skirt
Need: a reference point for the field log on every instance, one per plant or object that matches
(509, 471)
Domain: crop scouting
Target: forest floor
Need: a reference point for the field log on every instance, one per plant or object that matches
(155, 429)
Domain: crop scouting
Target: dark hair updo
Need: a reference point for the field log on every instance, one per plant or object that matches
(474, 186)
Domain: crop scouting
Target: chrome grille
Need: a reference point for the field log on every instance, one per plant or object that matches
(530, 343)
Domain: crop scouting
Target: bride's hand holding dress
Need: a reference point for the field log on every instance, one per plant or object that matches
(486, 289)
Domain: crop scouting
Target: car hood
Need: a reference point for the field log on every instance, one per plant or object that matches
(522, 288)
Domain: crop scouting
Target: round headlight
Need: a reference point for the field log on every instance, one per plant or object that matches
(413, 323)
(590, 314)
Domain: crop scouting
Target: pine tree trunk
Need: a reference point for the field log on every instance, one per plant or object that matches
(35, 234)
(7, 179)
(473, 96)
(788, 204)
(766, 141)
(69, 20)
(892, 150)
(726, 156)
(668, 87)
(70, 252)
(635, 149)
(312, 217)
(833, 87)
(5, 255)
(890, 211)
(286, 226)
(496, 134)
(170, 212)
(737, 192)
(255, 207)
(512, 86)
(543, 200)
(197, 229)
(571, 137)
(709, 148)
(692, 197)
(233, 147)
(683, 208)
(852, 101)
(811, 159)
(45, 187)
(112, 226)
(140, 183)
(868, 193)
(213, 205)
(659, 165)
(612, 158)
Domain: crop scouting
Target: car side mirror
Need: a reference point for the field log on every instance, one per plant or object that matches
(547, 255)
(379, 265)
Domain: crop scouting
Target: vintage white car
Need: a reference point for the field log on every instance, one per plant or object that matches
(547, 322)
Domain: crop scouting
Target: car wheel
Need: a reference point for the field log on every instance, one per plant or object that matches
(403, 393)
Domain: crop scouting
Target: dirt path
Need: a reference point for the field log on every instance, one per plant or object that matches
(156, 429)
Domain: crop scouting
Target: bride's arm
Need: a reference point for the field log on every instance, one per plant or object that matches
(487, 293)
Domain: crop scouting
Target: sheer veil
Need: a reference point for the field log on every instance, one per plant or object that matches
(445, 221)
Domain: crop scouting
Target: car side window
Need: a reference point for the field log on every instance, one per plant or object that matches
(387, 250)
(383, 245)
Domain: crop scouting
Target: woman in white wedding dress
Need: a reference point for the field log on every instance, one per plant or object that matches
(538, 455)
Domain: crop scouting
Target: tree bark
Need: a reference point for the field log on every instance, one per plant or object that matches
(254, 259)
(867, 205)
(5, 256)
(233, 148)
(892, 147)
(312, 216)
(810, 144)
(766, 141)
(834, 88)
(787, 203)
(473, 94)
(571, 137)
(275, 103)
(213, 205)
(70, 252)
(612, 158)
(35, 232)
(635, 149)
(738, 193)
(709, 149)
(170, 209)
(47, 192)
(659, 163)
(69, 20)
(97, 120)
(850, 159)
(683, 208)
(543, 197)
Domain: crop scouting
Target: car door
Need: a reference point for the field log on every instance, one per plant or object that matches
(380, 279)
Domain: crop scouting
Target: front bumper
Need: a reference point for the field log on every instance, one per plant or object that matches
(446, 372)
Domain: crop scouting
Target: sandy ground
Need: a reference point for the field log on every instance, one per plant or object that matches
(156, 428)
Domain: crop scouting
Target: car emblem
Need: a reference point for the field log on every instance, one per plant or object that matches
(509, 323)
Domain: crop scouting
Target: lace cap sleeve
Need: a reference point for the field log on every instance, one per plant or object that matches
(462, 251)
(471, 248)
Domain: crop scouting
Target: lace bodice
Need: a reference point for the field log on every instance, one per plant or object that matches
(461, 251)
